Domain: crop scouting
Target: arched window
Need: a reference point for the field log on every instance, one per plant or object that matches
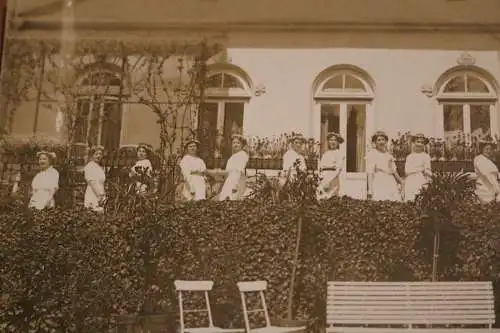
(99, 112)
(226, 94)
(343, 96)
(467, 103)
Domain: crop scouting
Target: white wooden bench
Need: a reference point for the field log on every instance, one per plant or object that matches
(402, 306)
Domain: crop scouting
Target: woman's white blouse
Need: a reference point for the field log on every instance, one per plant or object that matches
(290, 158)
(93, 173)
(44, 186)
(234, 186)
(380, 162)
(331, 159)
(417, 162)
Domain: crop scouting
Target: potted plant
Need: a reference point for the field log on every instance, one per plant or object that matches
(437, 201)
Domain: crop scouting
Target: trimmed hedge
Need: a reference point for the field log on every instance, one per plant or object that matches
(62, 271)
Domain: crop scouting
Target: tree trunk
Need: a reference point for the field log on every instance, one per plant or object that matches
(294, 267)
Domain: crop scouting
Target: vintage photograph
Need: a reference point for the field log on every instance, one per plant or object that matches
(235, 166)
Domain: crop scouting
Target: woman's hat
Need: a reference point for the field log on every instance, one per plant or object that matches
(146, 146)
(379, 133)
(189, 141)
(420, 136)
(487, 141)
(339, 138)
(297, 137)
(50, 154)
(95, 148)
(240, 138)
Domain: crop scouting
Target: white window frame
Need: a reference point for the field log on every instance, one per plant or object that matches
(102, 100)
(466, 99)
(344, 98)
(221, 96)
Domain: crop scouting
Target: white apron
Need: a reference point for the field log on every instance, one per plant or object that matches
(417, 164)
(487, 179)
(194, 185)
(382, 166)
(329, 184)
(94, 173)
(235, 183)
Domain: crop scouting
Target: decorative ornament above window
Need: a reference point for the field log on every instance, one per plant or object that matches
(426, 89)
(466, 59)
(260, 90)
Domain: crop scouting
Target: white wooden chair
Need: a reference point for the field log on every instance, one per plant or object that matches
(204, 287)
(260, 287)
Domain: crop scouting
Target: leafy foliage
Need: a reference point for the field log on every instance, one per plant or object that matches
(444, 192)
(73, 269)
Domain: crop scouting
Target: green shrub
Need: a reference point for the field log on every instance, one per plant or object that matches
(73, 269)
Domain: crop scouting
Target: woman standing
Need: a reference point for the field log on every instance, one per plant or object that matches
(95, 178)
(193, 170)
(142, 168)
(45, 183)
(487, 188)
(417, 167)
(235, 184)
(330, 167)
(383, 177)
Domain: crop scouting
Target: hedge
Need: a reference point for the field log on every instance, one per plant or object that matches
(62, 271)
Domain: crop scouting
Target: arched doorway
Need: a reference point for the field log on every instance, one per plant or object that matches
(343, 100)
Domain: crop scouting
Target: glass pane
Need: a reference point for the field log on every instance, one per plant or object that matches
(480, 120)
(207, 131)
(453, 122)
(334, 83)
(353, 83)
(81, 121)
(110, 134)
(230, 81)
(214, 81)
(330, 122)
(457, 84)
(476, 85)
(95, 116)
(356, 138)
(233, 124)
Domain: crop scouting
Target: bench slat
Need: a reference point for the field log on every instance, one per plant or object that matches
(397, 303)
(438, 302)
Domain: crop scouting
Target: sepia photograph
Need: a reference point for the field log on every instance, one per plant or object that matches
(236, 166)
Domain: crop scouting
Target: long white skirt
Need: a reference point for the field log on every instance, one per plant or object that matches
(413, 185)
(385, 187)
(485, 193)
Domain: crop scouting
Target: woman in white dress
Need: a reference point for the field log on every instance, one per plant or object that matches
(193, 170)
(383, 177)
(95, 178)
(487, 187)
(142, 168)
(45, 183)
(294, 155)
(417, 167)
(235, 184)
(330, 167)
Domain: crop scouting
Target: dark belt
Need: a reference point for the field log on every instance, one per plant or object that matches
(328, 169)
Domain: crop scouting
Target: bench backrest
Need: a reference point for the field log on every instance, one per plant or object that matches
(407, 303)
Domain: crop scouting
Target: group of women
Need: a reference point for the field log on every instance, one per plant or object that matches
(46, 181)
(384, 181)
